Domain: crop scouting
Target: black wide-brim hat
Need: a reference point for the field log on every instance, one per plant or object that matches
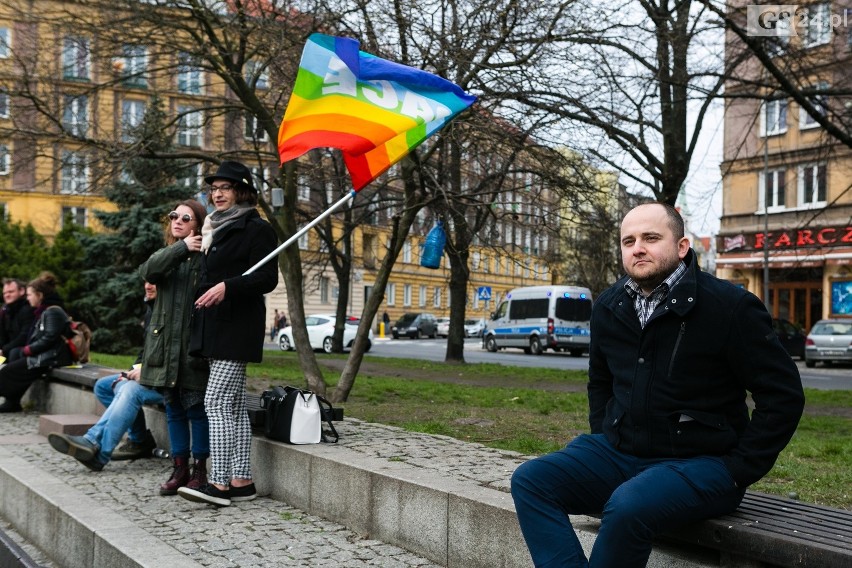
(232, 171)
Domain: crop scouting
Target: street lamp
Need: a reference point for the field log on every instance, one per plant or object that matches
(766, 219)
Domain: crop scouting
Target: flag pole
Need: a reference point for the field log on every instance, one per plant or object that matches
(343, 200)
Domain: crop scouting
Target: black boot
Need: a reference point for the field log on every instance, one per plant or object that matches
(10, 406)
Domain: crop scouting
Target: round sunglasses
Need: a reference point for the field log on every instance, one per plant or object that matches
(174, 215)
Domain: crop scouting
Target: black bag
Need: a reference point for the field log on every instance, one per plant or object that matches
(295, 416)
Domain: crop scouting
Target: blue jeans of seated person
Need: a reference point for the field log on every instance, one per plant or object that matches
(185, 421)
(119, 415)
(105, 394)
(637, 498)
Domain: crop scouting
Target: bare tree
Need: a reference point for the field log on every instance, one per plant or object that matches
(638, 75)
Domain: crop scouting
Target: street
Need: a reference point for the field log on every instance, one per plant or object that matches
(823, 378)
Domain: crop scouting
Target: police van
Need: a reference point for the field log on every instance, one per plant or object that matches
(538, 318)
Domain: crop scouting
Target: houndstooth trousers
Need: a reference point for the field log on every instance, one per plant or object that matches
(230, 430)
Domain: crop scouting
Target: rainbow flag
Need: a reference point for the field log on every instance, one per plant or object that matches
(375, 111)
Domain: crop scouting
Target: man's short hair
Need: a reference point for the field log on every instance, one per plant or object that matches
(16, 281)
(675, 220)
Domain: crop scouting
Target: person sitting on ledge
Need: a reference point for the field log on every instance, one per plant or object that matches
(123, 397)
(673, 353)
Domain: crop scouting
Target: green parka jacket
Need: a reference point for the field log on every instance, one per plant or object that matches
(166, 361)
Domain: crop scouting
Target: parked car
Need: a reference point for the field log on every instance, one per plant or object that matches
(415, 325)
(829, 341)
(443, 327)
(474, 327)
(320, 329)
(791, 337)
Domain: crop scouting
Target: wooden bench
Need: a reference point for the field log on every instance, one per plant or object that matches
(776, 531)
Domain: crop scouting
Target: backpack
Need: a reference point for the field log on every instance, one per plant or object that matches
(78, 340)
(77, 336)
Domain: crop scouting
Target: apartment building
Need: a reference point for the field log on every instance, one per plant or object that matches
(785, 230)
(75, 83)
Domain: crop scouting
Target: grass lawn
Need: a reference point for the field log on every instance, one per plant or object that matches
(534, 411)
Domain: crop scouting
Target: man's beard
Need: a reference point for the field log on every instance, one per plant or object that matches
(653, 279)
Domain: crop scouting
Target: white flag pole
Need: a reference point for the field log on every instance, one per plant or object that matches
(343, 200)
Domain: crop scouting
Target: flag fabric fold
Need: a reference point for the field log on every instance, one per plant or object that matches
(374, 110)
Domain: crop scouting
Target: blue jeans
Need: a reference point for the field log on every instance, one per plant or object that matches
(119, 415)
(637, 498)
(105, 394)
(180, 421)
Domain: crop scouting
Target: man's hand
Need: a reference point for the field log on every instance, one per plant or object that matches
(134, 374)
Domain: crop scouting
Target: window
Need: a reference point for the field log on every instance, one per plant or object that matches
(817, 25)
(74, 215)
(406, 251)
(303, 187)
(774, 117)
(190, 177)
(5, 43)
(189, 131)
(188, 75)
(391, 294)
(5, 160)
(74, 173)
(526, 309)
(475, 261)
(812, 185)
(134, 65)
(406, 295)
(75, 115)
(323, 290)
(132, 114)
(436, 299)
(256, 74)
(75, 59)
(303, 241)
(819, 101)
(4, 104)
(254, 130)
(772, 190)
(422, 297)
(573, 309)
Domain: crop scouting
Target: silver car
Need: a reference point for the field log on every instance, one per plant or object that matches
(829, 341)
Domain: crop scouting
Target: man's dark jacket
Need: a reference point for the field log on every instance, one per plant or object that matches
(16, 319)
(677, 388)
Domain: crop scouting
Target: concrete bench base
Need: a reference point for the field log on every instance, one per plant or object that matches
(71, 424)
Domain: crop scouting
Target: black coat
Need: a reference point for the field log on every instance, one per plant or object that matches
(677, 388)
(16, 319)
(235, 329)
(47, 346)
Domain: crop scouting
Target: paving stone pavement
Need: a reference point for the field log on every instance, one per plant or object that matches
(263, 532)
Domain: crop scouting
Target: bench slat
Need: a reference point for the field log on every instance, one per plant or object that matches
(778, 531)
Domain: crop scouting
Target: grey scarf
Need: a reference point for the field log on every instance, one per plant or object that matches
(217, 220)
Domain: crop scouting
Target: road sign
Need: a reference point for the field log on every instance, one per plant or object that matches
(484, 292)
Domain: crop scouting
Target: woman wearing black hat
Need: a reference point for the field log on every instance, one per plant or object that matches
(230, 325)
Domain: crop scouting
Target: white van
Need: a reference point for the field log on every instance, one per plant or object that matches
(538, 318)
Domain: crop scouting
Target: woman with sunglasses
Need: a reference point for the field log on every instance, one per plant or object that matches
(230, 326)
(167, 365)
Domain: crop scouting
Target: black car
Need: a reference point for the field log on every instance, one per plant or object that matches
(790, 336)
(415, 326)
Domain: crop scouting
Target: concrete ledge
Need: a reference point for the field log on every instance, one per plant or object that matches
(452, 523)
(73, 528)
(71, 424)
